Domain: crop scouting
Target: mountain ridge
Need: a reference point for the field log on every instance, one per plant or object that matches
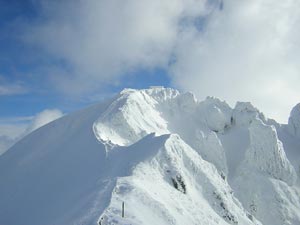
(79, 168)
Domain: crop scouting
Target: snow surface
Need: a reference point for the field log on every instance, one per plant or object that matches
(170, 158)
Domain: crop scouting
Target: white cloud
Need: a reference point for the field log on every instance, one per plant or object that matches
(13, 129)
(236, 50)
(100, 41)
(43, 118)
(249, 51)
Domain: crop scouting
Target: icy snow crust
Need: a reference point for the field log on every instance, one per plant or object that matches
(170, 158)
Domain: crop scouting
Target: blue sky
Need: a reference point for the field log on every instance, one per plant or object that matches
(21, 69)
(63, 55)
(27, 95)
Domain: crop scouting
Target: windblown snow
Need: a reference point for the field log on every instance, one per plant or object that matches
(165, 156)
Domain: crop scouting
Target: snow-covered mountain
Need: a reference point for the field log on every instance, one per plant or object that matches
(169, 158)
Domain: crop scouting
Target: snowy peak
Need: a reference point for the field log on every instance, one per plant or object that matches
(132, 116)
(136, 113)
(158, 93)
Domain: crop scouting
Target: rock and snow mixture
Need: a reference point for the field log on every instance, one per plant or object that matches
(158, 157)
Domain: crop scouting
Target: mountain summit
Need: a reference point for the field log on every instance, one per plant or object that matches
(155, 156)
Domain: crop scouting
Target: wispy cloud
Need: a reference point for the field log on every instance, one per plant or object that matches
(12, 120)
(12, 89)
(42, 118)
(14, 128)
(235, 50)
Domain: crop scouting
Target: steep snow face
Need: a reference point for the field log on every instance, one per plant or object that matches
(175, 186)
(56, 174)
(211, 149)
(291, 145)
(197, 123)
(273, 201)
(289, 135)
(266, 178)
(132, 116)
(294, 121)
(266, 153)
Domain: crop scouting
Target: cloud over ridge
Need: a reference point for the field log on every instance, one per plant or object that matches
(14, 129)
(230, 49)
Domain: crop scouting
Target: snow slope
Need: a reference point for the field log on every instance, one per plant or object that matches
(170, 158)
